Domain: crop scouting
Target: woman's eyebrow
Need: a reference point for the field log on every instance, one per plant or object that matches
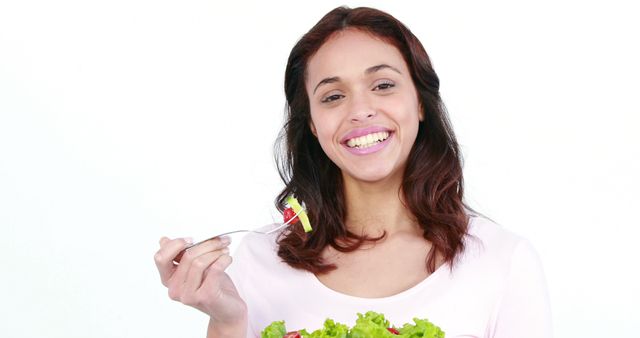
(381, 67)
(326, 81)
(368, 71)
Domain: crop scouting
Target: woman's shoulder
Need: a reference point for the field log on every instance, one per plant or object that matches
(491, 245)
(485, 232)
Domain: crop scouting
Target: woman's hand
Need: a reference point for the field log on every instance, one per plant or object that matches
(199, 279)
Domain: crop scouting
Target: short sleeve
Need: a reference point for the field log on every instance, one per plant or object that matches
(524, 309)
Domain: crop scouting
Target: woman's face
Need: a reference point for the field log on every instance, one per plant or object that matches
(364, 107)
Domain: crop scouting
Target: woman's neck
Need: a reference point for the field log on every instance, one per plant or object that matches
(376, 207)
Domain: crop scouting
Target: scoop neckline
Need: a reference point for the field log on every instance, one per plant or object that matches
(441, 270)
(432, 278)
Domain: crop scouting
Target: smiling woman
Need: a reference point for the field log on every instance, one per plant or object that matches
(366, 117)
(367, 73)
(368, 147)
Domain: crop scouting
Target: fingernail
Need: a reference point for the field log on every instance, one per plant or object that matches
(188, 240)
(225, 250)
(225, 239)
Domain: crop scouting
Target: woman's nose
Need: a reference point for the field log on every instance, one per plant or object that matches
(361, 108)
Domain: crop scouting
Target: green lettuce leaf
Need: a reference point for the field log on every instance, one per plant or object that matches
(331, 329)
(274, 330)
(422, 328)
(369, 325)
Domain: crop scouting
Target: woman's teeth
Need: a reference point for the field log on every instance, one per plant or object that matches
(367, 140)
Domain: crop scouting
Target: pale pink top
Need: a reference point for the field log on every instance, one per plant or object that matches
(496, 289)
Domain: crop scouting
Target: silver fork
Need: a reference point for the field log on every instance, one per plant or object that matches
(178, 257)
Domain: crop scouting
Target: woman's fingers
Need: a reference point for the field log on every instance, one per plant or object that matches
(163, 240)
(214, 271)
(221, 263)
(211, 245)
(223, 239)
(199, 267)
(188, 275)
(193, 253)
(164, 257)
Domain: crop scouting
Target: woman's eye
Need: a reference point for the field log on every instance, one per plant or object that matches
(384, 85)
(332, 98)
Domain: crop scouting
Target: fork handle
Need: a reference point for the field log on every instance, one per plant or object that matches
(178, 257)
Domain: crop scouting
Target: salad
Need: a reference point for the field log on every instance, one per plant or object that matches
(369, 325)
(295, 208)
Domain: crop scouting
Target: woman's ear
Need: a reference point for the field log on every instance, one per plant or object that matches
(313, 129)
(420, 112)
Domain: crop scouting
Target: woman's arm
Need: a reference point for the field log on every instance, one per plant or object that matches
(238, 330)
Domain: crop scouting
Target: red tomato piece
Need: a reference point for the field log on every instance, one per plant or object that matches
(292, 334)
(393, 330)
(289, 214)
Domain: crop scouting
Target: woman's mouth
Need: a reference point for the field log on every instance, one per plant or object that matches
(367, 141)
(368, 144)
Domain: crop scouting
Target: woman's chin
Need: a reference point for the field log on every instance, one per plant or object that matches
(369, 176)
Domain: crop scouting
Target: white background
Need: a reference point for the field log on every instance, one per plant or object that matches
(121, 121)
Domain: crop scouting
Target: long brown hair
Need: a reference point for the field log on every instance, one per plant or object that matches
(432, 183)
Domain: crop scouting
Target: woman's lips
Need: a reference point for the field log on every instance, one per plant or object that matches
(369, 150)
